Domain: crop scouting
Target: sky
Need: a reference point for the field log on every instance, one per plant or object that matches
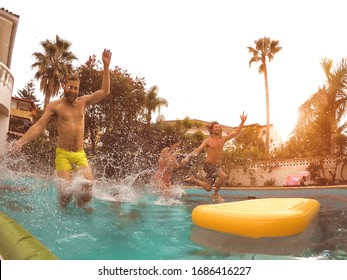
(195, 51)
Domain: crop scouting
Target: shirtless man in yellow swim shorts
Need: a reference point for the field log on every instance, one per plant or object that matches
(69, 114)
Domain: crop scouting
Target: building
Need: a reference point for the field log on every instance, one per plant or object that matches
(275, 136)
(8, 29)
(22, 115)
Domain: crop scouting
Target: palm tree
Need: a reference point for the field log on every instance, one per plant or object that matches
(53, 64)
(153, 102)
(264, 49)
(327, 106)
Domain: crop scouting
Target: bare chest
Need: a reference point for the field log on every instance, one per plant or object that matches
(215, 144)
(70, 113)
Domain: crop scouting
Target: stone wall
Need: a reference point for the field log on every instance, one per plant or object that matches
(258, 173)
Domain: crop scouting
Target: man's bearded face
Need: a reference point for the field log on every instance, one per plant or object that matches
(71, 91)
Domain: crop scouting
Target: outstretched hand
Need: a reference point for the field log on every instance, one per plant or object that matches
(14, 147)
(243, 117)
(184, 161)
(106, 57)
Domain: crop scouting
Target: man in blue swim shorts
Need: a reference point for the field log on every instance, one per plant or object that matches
(69, 117)
(215, 177)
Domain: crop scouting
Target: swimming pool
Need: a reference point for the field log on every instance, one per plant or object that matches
(134, 224)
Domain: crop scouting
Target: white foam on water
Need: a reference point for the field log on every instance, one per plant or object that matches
(127, 191)
(174, 197)
(114, 191)
(84, 235)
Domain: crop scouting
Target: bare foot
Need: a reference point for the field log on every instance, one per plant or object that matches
(198, 182)
(217, 198)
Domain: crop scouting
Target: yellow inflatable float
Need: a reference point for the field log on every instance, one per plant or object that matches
(266, 217)
(16, 243)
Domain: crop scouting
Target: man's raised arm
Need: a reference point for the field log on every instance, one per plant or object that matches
(236, 131)
(105, 86)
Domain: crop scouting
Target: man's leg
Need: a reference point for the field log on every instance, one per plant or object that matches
(193, 179)
(219, 183)
(85, 195)
(65, 195)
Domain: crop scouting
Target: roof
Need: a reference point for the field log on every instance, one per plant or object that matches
(8, 27)
(23, 99)
(10, 13)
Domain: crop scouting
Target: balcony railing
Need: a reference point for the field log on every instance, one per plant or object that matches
(6, 78)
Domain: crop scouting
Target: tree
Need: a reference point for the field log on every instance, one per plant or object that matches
(53, 64)
(125, 105)
(325, 108)
(248, 146)
(28, 92)
(153, 102)
(114, 126)
(90, 75)
(264, 49)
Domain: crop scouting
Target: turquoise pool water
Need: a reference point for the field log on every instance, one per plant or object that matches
(130, 223)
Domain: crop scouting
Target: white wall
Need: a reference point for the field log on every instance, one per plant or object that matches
(6, 87)
(257, 174)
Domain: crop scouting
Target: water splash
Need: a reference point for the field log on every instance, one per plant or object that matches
(134, 188)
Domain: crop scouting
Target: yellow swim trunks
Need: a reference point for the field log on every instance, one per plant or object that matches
(65, 160)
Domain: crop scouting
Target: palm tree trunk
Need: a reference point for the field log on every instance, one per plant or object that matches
(333, 132)
(46, 101)
(267, 134)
